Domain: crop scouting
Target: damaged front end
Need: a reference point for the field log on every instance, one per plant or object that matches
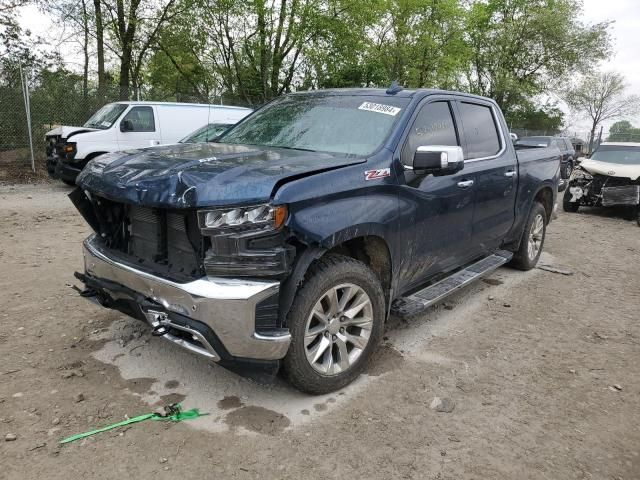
(203, 279)
(590, 190)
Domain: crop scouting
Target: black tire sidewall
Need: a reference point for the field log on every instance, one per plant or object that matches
(330, 271)
(521, 259)
(567, 204)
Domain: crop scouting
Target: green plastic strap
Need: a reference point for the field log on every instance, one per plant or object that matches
(108, 427)
(177, 416)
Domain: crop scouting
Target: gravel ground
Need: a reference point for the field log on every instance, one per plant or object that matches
(541, 370)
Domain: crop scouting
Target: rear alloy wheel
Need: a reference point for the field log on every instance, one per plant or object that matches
(536, 236)
(336, 323)
(532, 241)
(568, 170)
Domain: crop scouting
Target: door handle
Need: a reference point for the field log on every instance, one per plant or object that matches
(465, 184)
(510, 173)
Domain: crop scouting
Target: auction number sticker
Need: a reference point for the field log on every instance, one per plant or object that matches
(380, 108)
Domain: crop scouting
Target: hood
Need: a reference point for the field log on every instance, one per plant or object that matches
(65, 131)
(201, 174)
(611, 169)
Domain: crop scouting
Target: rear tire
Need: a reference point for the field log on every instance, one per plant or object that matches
(567, 204)
(532, 241)
(330, 344)
(568, 169)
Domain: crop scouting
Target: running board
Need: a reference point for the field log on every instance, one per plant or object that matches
(428, 296)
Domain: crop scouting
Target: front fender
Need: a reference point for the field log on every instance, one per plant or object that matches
(331, 223)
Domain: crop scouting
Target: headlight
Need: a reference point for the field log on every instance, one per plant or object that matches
(268, 216)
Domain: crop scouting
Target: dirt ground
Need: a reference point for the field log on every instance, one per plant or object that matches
(543, 369)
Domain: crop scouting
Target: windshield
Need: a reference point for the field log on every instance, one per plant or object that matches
(207, 133)
(106, 116)
(347, 124)
(621, 154)
(534, 141)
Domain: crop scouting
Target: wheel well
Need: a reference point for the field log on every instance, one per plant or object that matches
(545, 197)
(374, 252)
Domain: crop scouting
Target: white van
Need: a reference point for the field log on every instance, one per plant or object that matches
(129, 125)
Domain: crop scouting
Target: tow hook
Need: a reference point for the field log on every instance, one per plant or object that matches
(158, 321)
(159, 330)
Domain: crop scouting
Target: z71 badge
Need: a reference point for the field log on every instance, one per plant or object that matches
(377, 174)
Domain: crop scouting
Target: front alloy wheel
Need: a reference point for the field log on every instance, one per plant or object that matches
(338, 329)
(336, 322)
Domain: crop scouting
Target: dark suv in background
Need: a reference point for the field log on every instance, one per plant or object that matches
(564, 144)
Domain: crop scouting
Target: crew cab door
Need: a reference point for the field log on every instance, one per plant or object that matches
(139, 128)
(495, 166)
(435, 211)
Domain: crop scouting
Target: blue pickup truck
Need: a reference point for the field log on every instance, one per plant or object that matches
(288, 241)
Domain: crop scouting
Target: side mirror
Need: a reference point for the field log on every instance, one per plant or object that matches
(438, 160)
(126, 126)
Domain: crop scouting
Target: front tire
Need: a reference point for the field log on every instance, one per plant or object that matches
(567, 204)
(336, 322)
(532, 242)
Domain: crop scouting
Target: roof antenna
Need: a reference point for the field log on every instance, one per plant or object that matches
(394, 88)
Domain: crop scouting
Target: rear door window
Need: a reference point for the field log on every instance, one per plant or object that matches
(480, 130)
(433, 126)
(142, 119)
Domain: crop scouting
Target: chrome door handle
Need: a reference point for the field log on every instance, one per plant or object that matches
(465, 184)
(510, 173)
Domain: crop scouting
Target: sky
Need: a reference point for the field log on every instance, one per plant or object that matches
(625, 33)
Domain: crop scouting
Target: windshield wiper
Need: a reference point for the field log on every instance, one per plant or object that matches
(293, 148)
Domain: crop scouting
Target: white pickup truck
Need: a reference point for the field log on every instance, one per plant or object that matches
(129, 125)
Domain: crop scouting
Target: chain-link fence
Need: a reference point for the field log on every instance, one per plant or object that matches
(48, 109)
(51, 106)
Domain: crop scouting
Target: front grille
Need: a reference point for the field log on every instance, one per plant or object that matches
(54, 145)
(166, 242)
(145, 234)
(601, 181)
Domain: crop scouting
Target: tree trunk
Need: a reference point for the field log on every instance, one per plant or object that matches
(100, 47)
(592, 135)
(125, 65)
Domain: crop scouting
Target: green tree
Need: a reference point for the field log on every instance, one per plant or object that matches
(528, 116)
(623, 131)
(602, 97)
(522, 48)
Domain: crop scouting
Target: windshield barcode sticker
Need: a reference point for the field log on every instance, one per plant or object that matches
(380, 108)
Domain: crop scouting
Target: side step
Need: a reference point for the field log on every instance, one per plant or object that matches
(428, 296)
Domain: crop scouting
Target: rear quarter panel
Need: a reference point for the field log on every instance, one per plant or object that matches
(538, 168)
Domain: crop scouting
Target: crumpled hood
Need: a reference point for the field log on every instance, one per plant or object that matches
(64, 131)
(611, 169)
(201, 174)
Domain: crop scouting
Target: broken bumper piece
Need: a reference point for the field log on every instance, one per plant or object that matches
(213, 317)
(625, 195)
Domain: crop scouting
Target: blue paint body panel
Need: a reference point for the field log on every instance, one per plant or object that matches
(429, 224)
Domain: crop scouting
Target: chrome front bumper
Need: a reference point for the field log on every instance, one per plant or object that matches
(227, 306)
